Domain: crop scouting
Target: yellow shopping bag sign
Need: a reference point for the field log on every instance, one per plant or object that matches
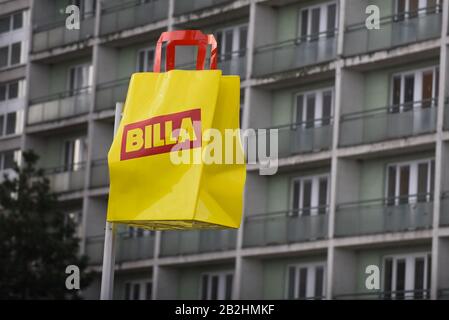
(165, 115)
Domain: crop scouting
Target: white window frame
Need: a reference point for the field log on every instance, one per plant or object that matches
(83, 89)
(221, 294)
(310, 287)
(77, 155)
(422, 4)
(315, 193)
(409, 270)
(146, 60)
(413, 179)
(142, 288)
(318, 116)
(323, 20)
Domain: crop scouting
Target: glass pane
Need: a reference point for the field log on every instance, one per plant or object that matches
(331, 19)
(391, 192)
(291, 282)
(409, 90)
(299, 108)
(322, 197)
(319, 282)
(296, 193)
(413, 8)
(304, 22)
(327, 107)
(315, 23)
(400, 279)
(427, 89)
(4, 24)
(13, 90)
(228, 44)
(243, 40)
(302, 283)
(404, 183)
(419, 278)
(2, 92)
(396, 93)
(204, 286)
(310, 111)
(148, 292)
(136, 291)
(141, 62)
(307, 197)
(214, 293)
(127, 291)
(15, 53)
(150, 60)
(9, 160)
(17, 20)
(11, 123)
(228, 291)
(4, 56)
(429, 271)
(2, 126)
(388, 277)
(423, 175)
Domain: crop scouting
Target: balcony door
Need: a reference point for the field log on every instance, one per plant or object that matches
(406, 9)
(310, 195)
(318, 21)
(232, 43)
(407, 276)
(306, 281)
(410, 182)
(74, 154)
(80, 79)
(216, 286)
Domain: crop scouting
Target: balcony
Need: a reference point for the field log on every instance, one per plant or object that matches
(66, 178)
(394, 31)
(127, 248)
(388, 123)
(197, 241)
(186, 6)
(99, 174)
(305, 137)
(121, 15)
(294, 54)
(60, 106)
(285, 227)
(52, 33)
(109, 93)
(399, 214)
(384, 295)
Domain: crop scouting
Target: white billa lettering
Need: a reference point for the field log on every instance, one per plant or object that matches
(372, 22)
(72, 282)
(72, 22)
(372, 282)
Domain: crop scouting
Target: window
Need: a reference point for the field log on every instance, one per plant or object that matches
(405, 9)
(414, 89)
(318, 21)
(79, 79)
(87, 7)
(410, 182)
(74, 154)
(145, 59)
(216, 286)
(11, 55)
(9, 158)
(11, 22)
(310, 195)
(232, 42)
(9, 91)
(407, 276)
(306, 281)
(138, 232)
(138, 290)
(314, 109)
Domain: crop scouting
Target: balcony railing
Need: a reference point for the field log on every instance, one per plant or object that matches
(386, 295)
(443, 294)
(399, 214)
(60, 106)
(294, 54)
(53, 33)
(397, 30)
(444, 210)
(99, 175)
(286, 227)
(122, 15)
(127, 248)
(66, 178)
(387, 123)
(304, 137)
(197, 241)
(185, 6)
(109, 93)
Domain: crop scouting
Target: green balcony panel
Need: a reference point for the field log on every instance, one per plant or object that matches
(109, 93)
(386, 124)
(55, 34)
(394, 31)
(293, 54)
(120, 15)
(99, 174)
(197, 241)
(376, 217)
(60, 106)
(186, 6)
(283, 228)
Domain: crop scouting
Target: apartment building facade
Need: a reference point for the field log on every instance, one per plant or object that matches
(363, 141)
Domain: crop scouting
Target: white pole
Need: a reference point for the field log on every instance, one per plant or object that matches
(107, 275)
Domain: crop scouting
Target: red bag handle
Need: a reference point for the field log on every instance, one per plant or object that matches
(185, 38)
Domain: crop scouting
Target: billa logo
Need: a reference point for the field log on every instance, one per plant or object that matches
(160, 134)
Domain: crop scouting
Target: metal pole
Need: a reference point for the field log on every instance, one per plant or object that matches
(107, 275)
